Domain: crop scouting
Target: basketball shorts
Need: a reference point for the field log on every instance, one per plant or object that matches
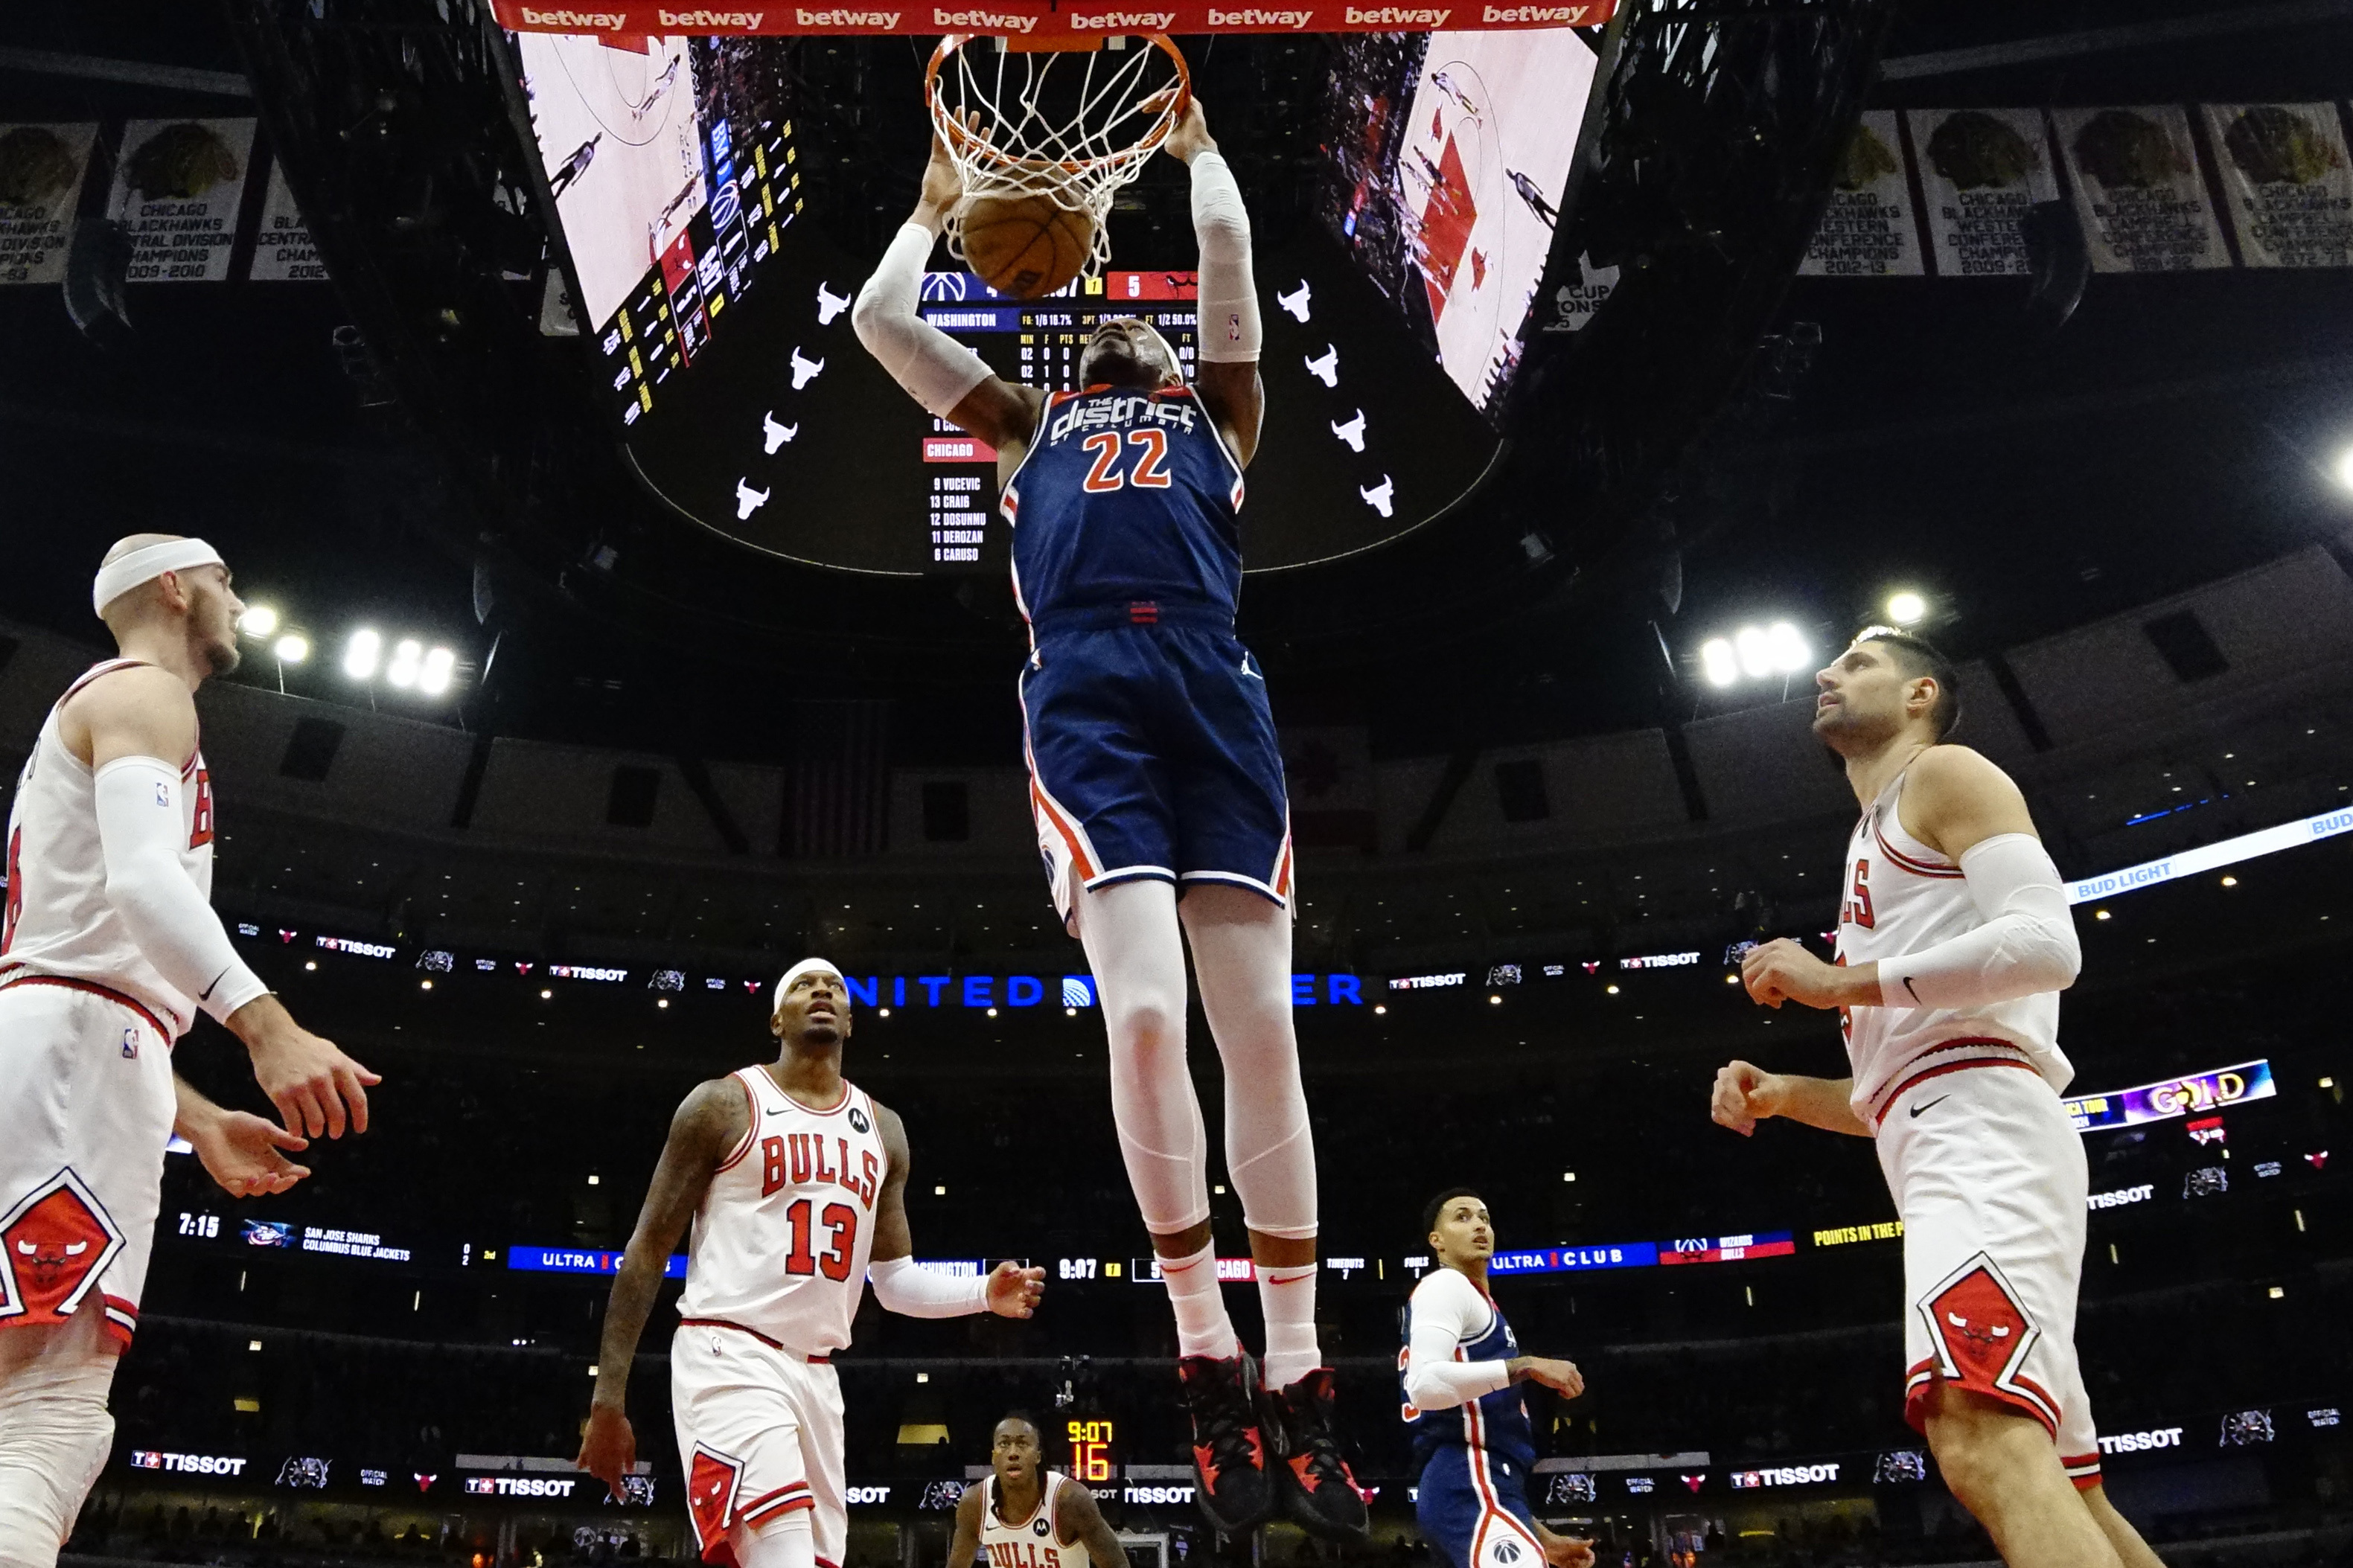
(88, 1108)
(759, 1436)
(1473, 1507)
(1152, 755)
(1991, 1179)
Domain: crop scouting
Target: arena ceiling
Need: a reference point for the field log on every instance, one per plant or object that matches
(1943, 434)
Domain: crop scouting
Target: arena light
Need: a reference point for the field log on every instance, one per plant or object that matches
(2345, 468)
(441, 664)
(290, 648)
(1755, 648)
(1906, 608)
(408, 663)
(362, 653)
(1789, 653)
(258, 621)
(1718, 662)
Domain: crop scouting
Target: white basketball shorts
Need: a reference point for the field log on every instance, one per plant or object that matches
(759, 1436)
(86, 1110)
(1989, 1178)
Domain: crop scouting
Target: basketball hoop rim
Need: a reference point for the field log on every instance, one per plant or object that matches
(964, 142)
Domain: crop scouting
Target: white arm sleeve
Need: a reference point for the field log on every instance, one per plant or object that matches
(1447, 1309)
(139, 827)
(908, 1288)
(1231, 332)
(936, 370)
(2027, 944)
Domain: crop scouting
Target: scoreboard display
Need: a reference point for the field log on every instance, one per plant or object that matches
(1038, 343)
(1093, 1458)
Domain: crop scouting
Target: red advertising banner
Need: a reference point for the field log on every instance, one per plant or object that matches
(625, 17)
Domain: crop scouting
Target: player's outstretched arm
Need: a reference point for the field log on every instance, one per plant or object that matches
(964, 1544)
(139, 723)
(1079, 1518)
(1745, 1094)
(245, 1154)
(709, 1123)
(1008, 1291)
(947, 378)
(1231, 332)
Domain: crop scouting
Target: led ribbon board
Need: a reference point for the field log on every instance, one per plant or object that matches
(2213, 857)
(2161, 1101)
(1033, 23)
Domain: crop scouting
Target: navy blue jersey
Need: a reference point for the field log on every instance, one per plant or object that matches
(1125, 498)
(1497, 1423)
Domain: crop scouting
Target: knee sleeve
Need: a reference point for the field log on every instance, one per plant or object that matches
(55, 1435)
(1242, 951)
(787, 1541)
(1133, 944)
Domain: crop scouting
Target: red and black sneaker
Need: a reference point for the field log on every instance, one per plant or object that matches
(1321, 1494)
(1229, 1443)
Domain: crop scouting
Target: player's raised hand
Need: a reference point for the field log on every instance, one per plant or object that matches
(942, 181)
(246, 1154)
(1189, 136)
(1783, 971)
(608, 1448)
(1742, 1097)
(1013, 1290)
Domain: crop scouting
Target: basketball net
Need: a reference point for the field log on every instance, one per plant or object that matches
(1069, 126)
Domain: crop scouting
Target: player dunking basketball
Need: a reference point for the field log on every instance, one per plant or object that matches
(1027, 1516)
(796, 1184)
(1954, 942)
(1155, 773)
(108, 950)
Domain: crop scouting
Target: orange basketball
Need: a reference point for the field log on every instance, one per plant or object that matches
(1024, 245)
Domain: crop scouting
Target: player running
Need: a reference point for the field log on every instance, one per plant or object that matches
(1954, 942)
(796, 1184)
(107, 949)
(1027, 1516)
(1155, 774)
(1473, 1446)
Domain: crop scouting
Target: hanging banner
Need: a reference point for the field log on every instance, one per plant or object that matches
(1981, 169)
(2288, 182)
(1032, 21)
(1868, 230)
(41, 169)
(282, 251)
(2139, 190)
(177, 189)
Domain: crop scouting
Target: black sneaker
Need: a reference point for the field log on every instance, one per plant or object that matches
(1320, 1494)
(1228, 1443)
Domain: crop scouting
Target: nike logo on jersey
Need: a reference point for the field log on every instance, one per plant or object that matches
(1930, 1105)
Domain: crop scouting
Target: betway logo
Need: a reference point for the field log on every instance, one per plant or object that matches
(983, 21)
(699, 21)
(1123, 22)
(864, 21)
(1294, 20)
(576, 21)
(1391, 16)
(1560, 15)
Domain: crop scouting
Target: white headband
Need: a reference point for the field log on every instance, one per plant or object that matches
(795, 973)
(117, 578)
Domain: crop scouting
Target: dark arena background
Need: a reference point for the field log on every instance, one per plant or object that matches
(622, 634)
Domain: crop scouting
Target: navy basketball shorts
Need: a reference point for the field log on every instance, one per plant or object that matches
(1473, 1507)
(1152, 755)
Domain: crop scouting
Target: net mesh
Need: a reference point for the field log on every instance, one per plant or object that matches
(1071, 126)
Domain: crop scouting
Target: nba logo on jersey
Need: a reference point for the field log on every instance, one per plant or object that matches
(131, 1044)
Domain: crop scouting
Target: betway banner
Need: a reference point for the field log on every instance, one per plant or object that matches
(1080, 21)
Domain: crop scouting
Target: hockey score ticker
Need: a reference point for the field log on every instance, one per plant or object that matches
(1035, 342)
(1091, 1459)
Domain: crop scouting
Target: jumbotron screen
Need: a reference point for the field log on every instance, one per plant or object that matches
(1452, 153)
(719, 312)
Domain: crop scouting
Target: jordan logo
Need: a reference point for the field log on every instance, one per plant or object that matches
(57, 1242)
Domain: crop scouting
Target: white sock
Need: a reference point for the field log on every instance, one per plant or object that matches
(1288, 1298)
(1202, 1326)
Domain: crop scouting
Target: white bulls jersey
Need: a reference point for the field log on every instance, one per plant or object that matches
(781, 1241)
(58, 919)
(1030, 1542)
(1901, 897)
